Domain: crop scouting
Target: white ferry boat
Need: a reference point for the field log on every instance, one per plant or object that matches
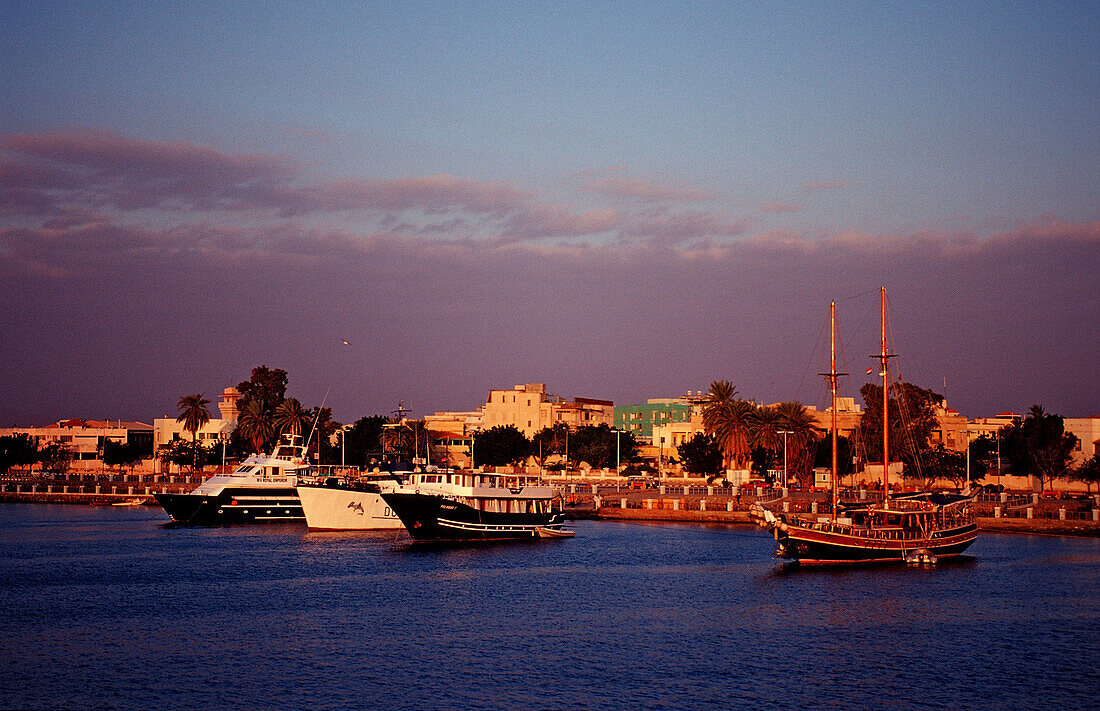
(351, 502)
(260, 490)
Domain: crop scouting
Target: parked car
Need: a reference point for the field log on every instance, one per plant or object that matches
(638, 482)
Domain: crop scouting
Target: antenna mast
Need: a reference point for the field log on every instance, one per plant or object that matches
(832, 376)
(884, 359)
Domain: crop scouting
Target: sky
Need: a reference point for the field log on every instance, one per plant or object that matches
(621, 200)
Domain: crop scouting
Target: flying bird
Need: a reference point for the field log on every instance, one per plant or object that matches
(345, 341)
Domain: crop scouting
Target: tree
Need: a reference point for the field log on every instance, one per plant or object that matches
(1039, 446)
(802, 440)
(363, 440)
(193, 413)
(912, 413)
(188, 454)
(119, 454)
(321, 435)
(17, 450)
(256, 423)
(824, 455)
(1089, 472)
(701, 455)
(397, 440)
(266, 385)
(501, 445)
(764, 425)
(55, 458)
(983, 454)
(600, 446)
(726, 417)
(291, 418)
(943, 463)
(549, 441)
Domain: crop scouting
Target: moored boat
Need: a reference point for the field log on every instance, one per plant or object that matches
(260, 490)
(906, 528)
(350, 502)
(474, 506)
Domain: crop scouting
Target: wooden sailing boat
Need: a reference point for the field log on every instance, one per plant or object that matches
(903, 528)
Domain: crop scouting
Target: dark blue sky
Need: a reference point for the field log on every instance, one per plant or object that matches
(622, 200)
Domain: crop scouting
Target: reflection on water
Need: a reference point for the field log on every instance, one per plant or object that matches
(107, 608)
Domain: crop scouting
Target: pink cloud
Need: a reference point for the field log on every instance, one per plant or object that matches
(778, 208)
(644, 190)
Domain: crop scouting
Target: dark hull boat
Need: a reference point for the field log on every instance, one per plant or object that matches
(260, 490)
(906, 528)
(940, 524)
(234, 505)
(436, 518)
(474, 506)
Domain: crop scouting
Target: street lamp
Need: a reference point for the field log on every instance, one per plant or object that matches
(785, 433)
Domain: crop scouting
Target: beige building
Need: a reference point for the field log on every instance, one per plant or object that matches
(166, 429)
(530, 408)
(84, 438)
(951, 430)
(1087, 431)
(848, 414)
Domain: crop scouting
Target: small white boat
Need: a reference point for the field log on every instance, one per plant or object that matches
(543, 532)
(128, 502)
(921, 556)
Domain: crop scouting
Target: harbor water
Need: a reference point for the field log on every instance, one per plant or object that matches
(108, 608)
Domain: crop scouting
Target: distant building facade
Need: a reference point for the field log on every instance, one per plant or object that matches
(85, 438)
(1087, 431)
(659, 413)
(529, 408)
(218, 429)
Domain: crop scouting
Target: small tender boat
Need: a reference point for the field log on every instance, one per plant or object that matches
(543, 532)
(260, 490)
(128, 502)
(444, 505)
(921, 556)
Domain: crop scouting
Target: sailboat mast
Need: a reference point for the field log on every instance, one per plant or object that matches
(832, 384)
(885, 409)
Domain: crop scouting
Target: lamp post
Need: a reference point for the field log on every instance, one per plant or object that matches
(618, 460)
(785, 433)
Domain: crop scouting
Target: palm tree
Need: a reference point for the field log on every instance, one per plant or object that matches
(802, 440)
(726, 417)
(193, 413)
(765, 425)
(397, 438)
(290, 417)
(256, 424)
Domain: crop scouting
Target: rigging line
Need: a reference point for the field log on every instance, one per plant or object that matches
(810, 361)
(856, 296)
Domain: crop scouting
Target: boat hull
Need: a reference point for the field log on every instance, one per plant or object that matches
(823, 547)
(234, 506)
(338, 509)
(430, 517)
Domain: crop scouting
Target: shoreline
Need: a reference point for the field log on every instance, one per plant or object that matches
(989, 524)
(1035, 526)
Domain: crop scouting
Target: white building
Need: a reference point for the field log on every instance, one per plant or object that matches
(167, 429)
(1087, 430)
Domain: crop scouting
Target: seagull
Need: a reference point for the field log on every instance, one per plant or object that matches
(345, 341)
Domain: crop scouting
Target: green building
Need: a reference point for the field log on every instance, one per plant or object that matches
(639, 419)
